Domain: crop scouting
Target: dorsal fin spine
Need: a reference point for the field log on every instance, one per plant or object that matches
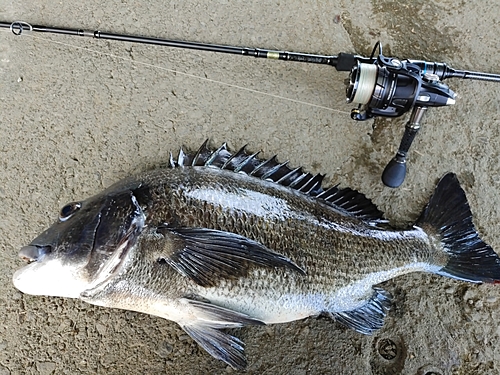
(282, 180)
(215, 155)
(232, 157)
(344, 200)
(198, 153)
(295, 184)
(172, 163)
(273, 171)
(180, 158)
(262, 166)
(245, 162)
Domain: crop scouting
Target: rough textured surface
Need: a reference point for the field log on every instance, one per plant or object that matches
(79, 114)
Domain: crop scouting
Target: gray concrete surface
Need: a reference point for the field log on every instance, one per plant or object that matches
(78, 114)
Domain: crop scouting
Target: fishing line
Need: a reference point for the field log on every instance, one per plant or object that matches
(381, 86)
(231, 85)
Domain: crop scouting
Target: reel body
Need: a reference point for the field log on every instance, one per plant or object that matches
(381, 86)
(389, 87)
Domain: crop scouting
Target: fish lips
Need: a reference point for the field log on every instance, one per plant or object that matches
(50, 277)
(75, 255)
(33, 253)
(55, 262)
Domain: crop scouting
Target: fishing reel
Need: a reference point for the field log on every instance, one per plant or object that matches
(381, 86)
(389, 87)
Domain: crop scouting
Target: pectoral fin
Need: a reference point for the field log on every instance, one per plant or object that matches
(204, 329)
(207, 255)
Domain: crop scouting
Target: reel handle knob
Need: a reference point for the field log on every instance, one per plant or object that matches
(395, 171)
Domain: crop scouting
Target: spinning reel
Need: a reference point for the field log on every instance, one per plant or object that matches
(381, 86)
(389, 87)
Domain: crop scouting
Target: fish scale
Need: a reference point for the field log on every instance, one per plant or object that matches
(313, 247)
(224, 240)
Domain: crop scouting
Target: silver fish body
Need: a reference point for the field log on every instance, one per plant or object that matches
(210, 248)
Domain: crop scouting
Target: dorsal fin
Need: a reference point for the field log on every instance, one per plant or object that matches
(202, 155)
(346, 200)
(355, 203)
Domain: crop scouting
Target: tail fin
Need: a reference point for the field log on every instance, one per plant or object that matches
(448, 213)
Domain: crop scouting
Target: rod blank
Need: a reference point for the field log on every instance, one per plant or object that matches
(342, 61)
(19, 27)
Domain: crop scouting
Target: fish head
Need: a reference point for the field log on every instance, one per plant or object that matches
(83, 248)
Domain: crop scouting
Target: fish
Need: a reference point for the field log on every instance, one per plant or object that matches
(220, 240)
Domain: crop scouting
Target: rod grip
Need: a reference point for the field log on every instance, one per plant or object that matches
(345, 62)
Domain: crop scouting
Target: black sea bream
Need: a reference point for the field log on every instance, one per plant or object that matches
(223, 240)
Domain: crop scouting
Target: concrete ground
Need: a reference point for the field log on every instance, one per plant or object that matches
(77, 114)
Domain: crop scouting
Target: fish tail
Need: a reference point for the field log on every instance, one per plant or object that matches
(448, 218)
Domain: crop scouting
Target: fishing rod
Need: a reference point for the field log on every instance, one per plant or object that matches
(381, 86)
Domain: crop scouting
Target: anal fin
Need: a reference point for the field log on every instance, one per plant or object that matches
(369, 317)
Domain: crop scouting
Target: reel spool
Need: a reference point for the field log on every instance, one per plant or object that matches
(381, 86)
(389, 87)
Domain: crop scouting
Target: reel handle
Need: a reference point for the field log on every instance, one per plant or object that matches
(395, 171)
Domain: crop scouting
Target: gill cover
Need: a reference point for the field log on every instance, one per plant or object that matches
(71, 255)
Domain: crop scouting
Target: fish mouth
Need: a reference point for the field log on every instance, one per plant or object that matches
(34, 253)
(51, 266)
(44, 274)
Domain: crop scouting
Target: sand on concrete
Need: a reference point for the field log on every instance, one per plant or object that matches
(78, 114)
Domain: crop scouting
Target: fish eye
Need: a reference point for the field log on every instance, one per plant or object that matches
(68, 210)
